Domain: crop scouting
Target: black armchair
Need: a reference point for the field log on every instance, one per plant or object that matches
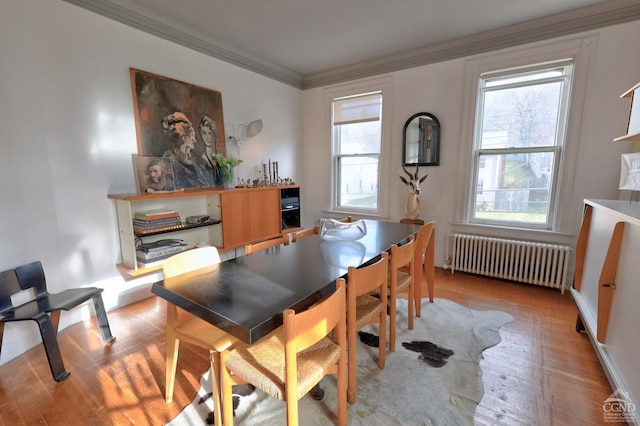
(45, 309)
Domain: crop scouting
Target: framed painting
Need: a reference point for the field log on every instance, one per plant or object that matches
(182, 122)
(153, 174)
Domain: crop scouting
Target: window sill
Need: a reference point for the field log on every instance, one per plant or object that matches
(538, 235)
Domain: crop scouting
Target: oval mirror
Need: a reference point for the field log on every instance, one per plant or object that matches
(421, 140)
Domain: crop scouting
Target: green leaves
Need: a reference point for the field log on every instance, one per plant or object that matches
(227, 162)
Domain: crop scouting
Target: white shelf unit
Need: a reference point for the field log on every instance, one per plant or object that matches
(187, 204)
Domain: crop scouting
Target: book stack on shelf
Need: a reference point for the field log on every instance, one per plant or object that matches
(159, 220)
(153, 253)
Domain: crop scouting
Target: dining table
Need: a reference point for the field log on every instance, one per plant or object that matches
(246, 296)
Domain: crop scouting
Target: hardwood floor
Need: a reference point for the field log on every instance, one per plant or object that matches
(542, 373)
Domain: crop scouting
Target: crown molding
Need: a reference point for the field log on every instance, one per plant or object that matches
(584, 19)
(579, 20)
(172, 32)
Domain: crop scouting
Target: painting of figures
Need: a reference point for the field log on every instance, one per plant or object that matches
(182, 122)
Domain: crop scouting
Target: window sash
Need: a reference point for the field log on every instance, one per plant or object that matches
(481, 154)
(341, 185)
(480, 182)
(565, 64)
(357, 191)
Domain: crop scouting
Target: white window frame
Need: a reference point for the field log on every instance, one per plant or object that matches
(579, 50)
(384, 86)
(567, 79)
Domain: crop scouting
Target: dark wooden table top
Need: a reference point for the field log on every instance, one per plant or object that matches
(245, 296)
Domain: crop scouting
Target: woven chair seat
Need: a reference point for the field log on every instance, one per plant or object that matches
(367, 308)
(404, 280)
(262, 364)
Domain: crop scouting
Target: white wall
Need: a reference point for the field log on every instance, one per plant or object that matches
(68, 134)
(438, 89)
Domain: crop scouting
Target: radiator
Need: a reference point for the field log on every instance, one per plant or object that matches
(523, 261)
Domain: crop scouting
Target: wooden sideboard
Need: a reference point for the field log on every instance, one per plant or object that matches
(246, 215)
(249, 216)
(607, 290)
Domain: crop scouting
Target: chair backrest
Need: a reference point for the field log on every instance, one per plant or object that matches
(190, 260)
(308, 327)
(252, 248)
(9, 285)
(402, 255)
(24, 277)
(368, 279)
(424, 238)
(31, 275)
(305, 233)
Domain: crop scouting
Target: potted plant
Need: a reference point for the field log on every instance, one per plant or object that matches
(227, 164)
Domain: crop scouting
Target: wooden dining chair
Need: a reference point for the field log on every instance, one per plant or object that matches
(364, 308)
(401, 273)
(347, 219)
(249, 249)
(291, 360)
(194, 330)
(305, 233)
(424, 264)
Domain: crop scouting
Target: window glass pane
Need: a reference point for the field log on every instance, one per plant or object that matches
(359, 138)
(515, 187)
(525, 116)
(358, 186)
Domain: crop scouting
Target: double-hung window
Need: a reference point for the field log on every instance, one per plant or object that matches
(520, 129)
(356, 147)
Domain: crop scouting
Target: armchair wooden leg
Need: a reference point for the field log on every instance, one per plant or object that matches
(51, 347)
(382, 343)
(417, 298)
(171, 360)
(171, 366)
(216, 386)
(351, 363)
(227, 398)
(393, 311)
(411, 297)
(429, 265)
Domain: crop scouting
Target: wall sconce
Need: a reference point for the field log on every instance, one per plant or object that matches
(250, 130)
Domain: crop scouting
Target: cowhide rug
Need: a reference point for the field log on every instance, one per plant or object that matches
(432, 378)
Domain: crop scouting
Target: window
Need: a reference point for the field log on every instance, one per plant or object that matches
(520, 131)
(356, 147)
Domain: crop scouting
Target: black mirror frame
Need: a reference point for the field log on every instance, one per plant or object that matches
(435, 148)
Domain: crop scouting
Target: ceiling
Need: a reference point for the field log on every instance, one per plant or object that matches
(311, 43)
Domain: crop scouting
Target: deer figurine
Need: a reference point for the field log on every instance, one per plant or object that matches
(412, 208)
